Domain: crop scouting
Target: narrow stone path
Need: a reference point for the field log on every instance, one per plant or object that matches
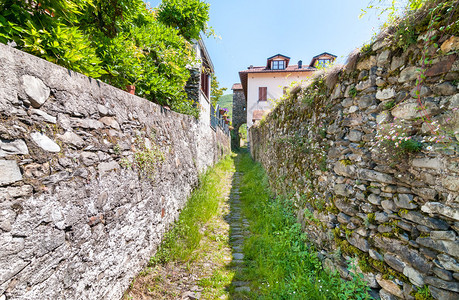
(217, 269)
(238, 231)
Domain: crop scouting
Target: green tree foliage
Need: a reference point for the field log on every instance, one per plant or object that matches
(122, 42)
(48, 30)
(188, 16)
(216, 90)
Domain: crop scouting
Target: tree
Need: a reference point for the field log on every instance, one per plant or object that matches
(188, 16)
(216, 91)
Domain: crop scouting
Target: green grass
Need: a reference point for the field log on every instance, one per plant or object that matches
(226, 101)
(180, 242)
(282, 264)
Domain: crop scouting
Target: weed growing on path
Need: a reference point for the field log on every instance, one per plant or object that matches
(282, 264)
(180, 242)
(194, 254)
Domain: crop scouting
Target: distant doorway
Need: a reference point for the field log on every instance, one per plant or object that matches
(242, 132)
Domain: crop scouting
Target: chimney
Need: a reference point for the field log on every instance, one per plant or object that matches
(300, 64)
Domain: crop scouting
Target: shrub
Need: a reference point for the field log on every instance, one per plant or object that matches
(121, 42)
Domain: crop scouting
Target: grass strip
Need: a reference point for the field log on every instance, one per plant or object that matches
(184, 237)
(282, 264)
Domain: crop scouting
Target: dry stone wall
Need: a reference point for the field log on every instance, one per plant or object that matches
(239, 114)
(371, 176)
(90, 179)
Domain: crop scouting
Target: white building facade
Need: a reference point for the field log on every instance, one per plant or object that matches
(264, 85)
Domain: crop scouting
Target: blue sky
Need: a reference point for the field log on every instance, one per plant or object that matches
(253, 30)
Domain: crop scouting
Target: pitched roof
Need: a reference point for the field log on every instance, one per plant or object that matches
(324, 53)
(237, 86)
(278, 55)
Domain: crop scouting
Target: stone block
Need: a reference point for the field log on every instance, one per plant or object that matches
(383, 117)
(103, 110)
(428, 163)
(43, 116)
(359, 242)
(9, 172)
(383, 58)
(375, 255)
(417, 217)
(344, 190)
(425, 193)
(443, 274)
(444, 89)
(442, 284)
(450, 44)
(106, 167)
(111, 122)
(440, 208)
(384, 228)
(363, 85)
(405, 201)
(12, 147)
(385, 94)
(372, 175)
(440, 294)
(448, 263)
(389, 205)
(374, 199)
(36, 90)
(420, 91)
(366, 101)
(407, 254)
(448, 247)
(69, 137)
(367, 63)
(443, 235)
(410, 110)
(415, 277)
(86, 123)
(89, 158)
(409, 74)
(44, 142)
(344, 170)
(355, 136)
(394, 262)
(441, 67)
(381, 217)
(451, 183)
(343, 218)
(390, 285)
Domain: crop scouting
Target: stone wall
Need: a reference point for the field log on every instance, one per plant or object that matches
(90, 179)
(371, 176)
(239, 113)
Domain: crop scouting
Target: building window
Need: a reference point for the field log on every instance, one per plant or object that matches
(323, 62)
(205, 84)
(278, 65)
(262, 93)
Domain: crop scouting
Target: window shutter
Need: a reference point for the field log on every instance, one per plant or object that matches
(262, 93)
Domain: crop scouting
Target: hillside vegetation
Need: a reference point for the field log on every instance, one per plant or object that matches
(226, 101)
